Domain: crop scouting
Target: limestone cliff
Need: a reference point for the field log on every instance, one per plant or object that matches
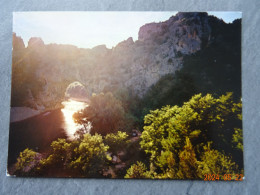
(132, 65)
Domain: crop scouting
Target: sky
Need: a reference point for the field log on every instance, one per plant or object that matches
(89, 29)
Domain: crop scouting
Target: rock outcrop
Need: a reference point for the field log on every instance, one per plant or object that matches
(18, 43)
(132, 65)
(35, 42)
(76, 91)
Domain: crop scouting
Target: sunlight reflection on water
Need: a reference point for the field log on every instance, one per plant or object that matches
(71, 107)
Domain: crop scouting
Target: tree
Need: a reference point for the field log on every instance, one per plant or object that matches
(105, 113)
(238, 139)
(86, 157)
(137, 171)
(169, 90)
(59, 156)
(90, 156)
(175, 137)
(116, 141)
(188, 164)
(214, 162)
(28, 163)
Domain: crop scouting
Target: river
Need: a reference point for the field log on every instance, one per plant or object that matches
(70, 108)
(39, 131)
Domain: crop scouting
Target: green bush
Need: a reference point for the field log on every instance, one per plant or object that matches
(28, 163)
(116, 141)
(137, 171)
(175, 137)
(105, 113)
(169, 90)
(214, 162)
(86, 157)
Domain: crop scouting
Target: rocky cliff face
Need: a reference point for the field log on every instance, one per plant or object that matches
(132, 65)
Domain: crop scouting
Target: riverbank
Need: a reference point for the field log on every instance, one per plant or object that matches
(36, 132)
(22, 113)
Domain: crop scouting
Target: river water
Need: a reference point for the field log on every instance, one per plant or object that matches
(70, 108)
(39, 131)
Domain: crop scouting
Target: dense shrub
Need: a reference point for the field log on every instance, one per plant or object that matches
(116, 141)
(86, 157)
(137, 171)
(28, 163)
(176, 138)
(169, 90)
(105, 113)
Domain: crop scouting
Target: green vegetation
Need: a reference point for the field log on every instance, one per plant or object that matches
(216, 68)
(169, 90)
(214, 162)
(28, 163)
(116, 141)
(238, 139)
(81, 158)
(184, 142)
(178, 138)
(137, 171)
(105, 113)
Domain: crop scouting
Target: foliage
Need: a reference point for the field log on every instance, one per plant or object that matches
(79, 134)
(58, 156)
(105, 113)
(90, 155)
(137, 171)
(238, 139)
(216, 68)
(213, 162)
(130, 103)
(175, 136)
(169, 90)
(27, 163)
(116, 141)
(83, 157)
(188, 163)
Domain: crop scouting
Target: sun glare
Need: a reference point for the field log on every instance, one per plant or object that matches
(71, 107)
